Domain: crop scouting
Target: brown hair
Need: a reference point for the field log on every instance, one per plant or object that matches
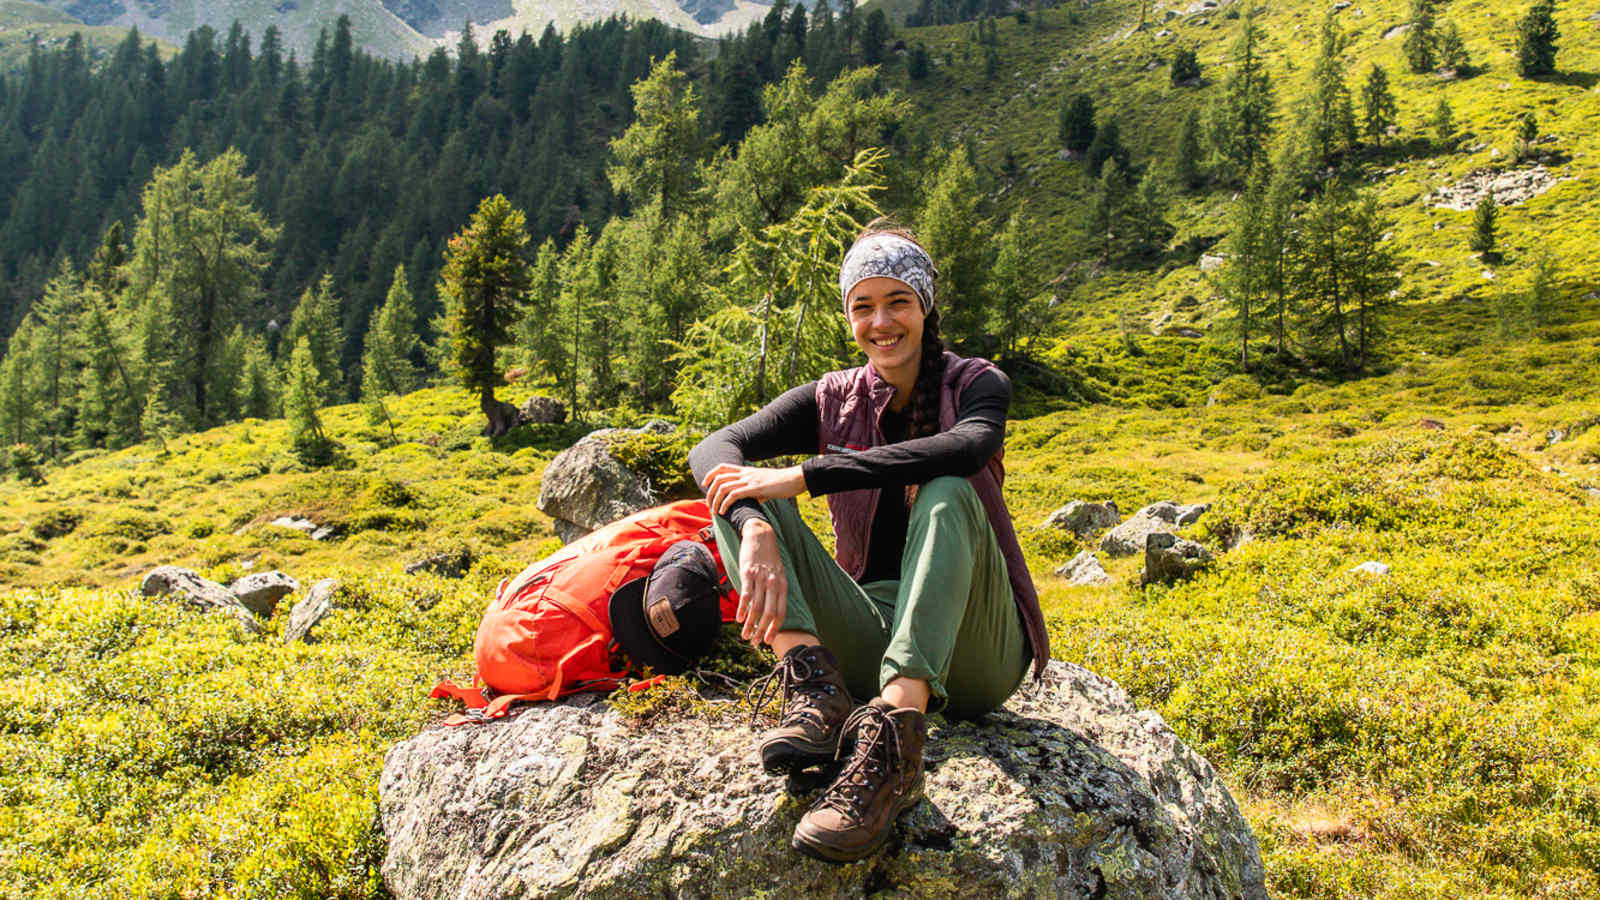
(930, 372)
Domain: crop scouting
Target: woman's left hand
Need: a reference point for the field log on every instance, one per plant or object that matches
(728, 482)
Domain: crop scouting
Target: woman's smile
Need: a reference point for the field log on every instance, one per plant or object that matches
(886, 320)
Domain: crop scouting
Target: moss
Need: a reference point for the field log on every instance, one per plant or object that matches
(663, 459)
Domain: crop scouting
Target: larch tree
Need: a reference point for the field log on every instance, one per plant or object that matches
(316, 318)
(1013, 281)
(484, 282)
(951, 229)
(386, 367)
(657, 160)
(1370, 272)
(1328, 116)
(1378, 106)
(1241, 121)
(199, 249)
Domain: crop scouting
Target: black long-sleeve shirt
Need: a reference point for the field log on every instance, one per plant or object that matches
(788, 426)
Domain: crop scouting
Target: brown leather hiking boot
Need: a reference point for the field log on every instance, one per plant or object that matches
(814, 706)
(856, 814)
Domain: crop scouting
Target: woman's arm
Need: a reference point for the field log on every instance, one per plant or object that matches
(978, 434)
(787, 425)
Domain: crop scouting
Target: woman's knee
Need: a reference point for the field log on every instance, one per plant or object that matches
(947, 493)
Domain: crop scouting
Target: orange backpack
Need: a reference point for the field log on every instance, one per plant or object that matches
(547, 632)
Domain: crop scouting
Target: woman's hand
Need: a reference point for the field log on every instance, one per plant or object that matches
(728, 482)
(764, 594)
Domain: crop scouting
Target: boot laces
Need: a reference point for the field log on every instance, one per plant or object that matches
(795, 679)
(877, 751)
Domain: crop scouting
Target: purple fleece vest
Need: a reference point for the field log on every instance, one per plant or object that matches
(850, 405)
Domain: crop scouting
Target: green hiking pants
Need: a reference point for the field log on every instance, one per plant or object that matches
(951, 618)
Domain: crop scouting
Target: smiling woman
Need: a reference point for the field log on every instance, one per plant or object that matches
(927, 604)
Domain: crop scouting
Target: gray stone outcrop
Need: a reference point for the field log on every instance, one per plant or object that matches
(1169, 559)
(1083, 518)
(1069, 791)
(187, 585)
(1084, 569)
(261, 591)
(586, 486)
(310, 611)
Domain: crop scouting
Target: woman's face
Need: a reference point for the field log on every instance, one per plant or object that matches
(886, 320)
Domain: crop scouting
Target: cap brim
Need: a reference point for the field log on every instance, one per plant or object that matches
(629, 628)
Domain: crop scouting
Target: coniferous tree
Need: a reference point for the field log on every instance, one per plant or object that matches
(1185, 67)
(1077, 127)
(1245, 276)
(108, 397)
(1278, 240)
(918, 63)
(1328, 116)
(875, 37)
(57, 355)
(483, 283)
(386, 363)
(1483, 226)
(19, 394)
(1105, 218)
(950, 227)
(1107, 146)
(1453, 50)
(1539, 300)
(658, 157)
(198, 253)
(316, 319)
(1187, 165)
(259, 386)
(1536, 40)
(1370, 273)
(300, 403)
(1444, 124)
(1377, 101)
(1145, 215)
(1241, 121)
(1013, 281)
(574, 312)
(1418, 46)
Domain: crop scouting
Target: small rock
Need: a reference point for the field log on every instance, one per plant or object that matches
(1594, 494)
(1169, 559)
(1083, 519)
(199, 592)
(1188, 515)
(296, 523)
(1396, 31)
(1084, 569)
(539, 410)
(311, 610)
(1189, 333)
(1187, 301)
(261, 591)
(448, 563)
(324, 533)
(1488, 274)
(1129, 537)
(1211, 261)
(1371, 567)
(1341, 5)
(1494, 153)
(1430, 424)
(1554, 436)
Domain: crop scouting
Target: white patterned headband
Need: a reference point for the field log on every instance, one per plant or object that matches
(886, 255)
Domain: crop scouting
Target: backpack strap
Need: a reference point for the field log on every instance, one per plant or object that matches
(577, 609)
(472, 697)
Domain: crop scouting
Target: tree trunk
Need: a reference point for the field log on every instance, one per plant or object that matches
(502, 416)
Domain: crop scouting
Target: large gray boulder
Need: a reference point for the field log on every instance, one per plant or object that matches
(1169, 559)
(586, 486)
(1069, 791)
(1129, 537)
(187, 586)
(1083, 518)
(1084, 569)
(261, 591)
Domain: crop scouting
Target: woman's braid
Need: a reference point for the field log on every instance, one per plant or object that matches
(930, 375)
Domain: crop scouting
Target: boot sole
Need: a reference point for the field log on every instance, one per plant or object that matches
(782, 757)
(800, 841)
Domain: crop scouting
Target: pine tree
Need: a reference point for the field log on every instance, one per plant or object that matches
(918, 63)
(316, 319)
(875, 37)
(1370, 272)
(1378, 103)
(1539, 301)
(19, 394)
(574, 262)
(950, 227)
(1107, 145)
(201, 246)
(1185, 67)
(658, 157)
(1187, 164)
(1444, 124)
(57, 358)
(259, 384)
(1077, 126)
(1328, 116)
(1322, 265)
(1146, 216)
(483, 283)
(386, 363)
(1013, 281)
(1241, 121)
(1453, 50)
(108, 404)
(1418, 45)
(1536, 40)
(1105, 219)
(1483, 226)
(1278, 241)
(1245, 276)
(307, 440)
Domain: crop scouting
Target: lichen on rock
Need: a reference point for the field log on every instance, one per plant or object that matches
(1068, 791)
